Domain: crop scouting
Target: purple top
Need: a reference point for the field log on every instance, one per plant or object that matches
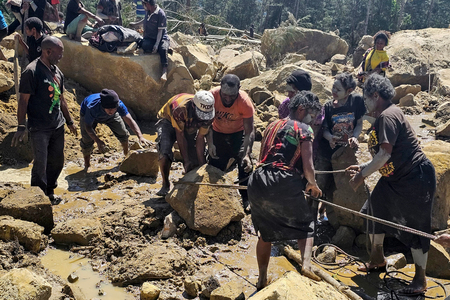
(283, 109)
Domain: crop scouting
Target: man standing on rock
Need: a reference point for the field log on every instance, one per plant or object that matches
(156, 38)
(42, 99)
(185, 118)
(105, 108)
(232, 136)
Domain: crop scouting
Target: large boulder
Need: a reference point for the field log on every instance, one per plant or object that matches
(198, 60)
(443, 129)
(22, 284)
(136, 79)
(6, 76)
(293, 286)
(405, 89)
(442, 82)
(438, 264)
(438, 152)
(344, 195)
(143, 162)
(414, 54)
(275, 81)
(29, 235)
(365, 43)
(157, 261)
(78, 231)
(442, 114)
(314, 44)
(29, 204)
(225, 55)
(207, 209)
(243, 66)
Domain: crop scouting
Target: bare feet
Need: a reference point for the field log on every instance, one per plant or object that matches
(413, 289)
(370, 266)
(310, 274)
(163, 191)
(262, 283)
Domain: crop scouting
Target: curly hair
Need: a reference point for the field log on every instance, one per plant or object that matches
(34, 22)
(381, 85)
(382, 34)
(346, 80)
(305, 99)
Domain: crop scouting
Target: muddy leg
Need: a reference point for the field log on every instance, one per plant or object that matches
(164, 167)
(87, 161)
(125, 147)
(377, 259)
(419, 282)
(263, 256)
(305, 246)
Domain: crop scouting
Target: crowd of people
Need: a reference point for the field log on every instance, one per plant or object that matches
(217, 127)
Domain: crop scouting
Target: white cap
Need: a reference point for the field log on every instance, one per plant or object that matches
(204, 105)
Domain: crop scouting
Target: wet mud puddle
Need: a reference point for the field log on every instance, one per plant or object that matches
(90, 283)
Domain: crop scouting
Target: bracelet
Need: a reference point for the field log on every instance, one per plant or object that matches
(21, 128)
(69, 123)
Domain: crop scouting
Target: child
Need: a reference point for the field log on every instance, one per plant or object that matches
(35, 35)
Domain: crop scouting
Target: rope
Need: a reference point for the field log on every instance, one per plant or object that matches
(378, 220)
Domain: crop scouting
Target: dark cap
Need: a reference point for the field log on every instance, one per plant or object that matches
(230, 84)
(300, 79)
(109, 99)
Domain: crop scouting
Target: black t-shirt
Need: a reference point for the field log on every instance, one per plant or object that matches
(391, 127)
(34, 47)
(72, 12)
(45, 87)
(341, 121)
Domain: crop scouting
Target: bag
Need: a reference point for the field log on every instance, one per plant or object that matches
(125, 37)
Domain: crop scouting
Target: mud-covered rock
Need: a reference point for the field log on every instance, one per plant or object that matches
(442, 114)
(293, 58)
(328, 255)
(443, 129)
(232, 290)
(171, 222)
(192, 287)
(149, 291)
(6, 75)
(407, 100)
(207, 209)
(29, 235)
(339, 59)
(405, 89)
(225, 55)
(79, 231)
(315, 44)
(344, 195)
(439, 155)
(142, 91)
(243, 66)
(198, 60)
(29, 204)
(22, 284)
(438, 264)
(344, 237)
(209, 285)
(395, 262)
(442, 82)
(293, 286)
(142, 162)
(155, 261)
(414, 54)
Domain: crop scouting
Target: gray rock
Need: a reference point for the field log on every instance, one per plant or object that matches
(395, 262)
(141, 162)
(209, 284)
(408, 100)
(344, 237)
(443, 130)
(171, 222)
(244, 66)
(339, 59)
(328, 255)
(405, 89)
(442, 114)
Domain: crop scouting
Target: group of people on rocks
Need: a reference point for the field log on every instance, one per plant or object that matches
(221, 120)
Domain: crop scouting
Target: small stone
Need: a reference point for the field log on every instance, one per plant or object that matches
(72, 277)
(233, 290)
(149, 291)
(192, 287)
(344, 237)
(328, 255)
(101, 292)
(209, 284)
(395, 262)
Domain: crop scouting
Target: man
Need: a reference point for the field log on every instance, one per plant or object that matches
(156, 38)
(105, 108)
(42, 99)
(140, 11)
(185, 118)
(35, 36)
(109, 11)
(232, 137)
(76, 20)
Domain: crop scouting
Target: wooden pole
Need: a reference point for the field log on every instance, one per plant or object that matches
(16, 65)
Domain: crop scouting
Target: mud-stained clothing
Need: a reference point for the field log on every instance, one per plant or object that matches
(45, 122)
(275, 189)
(405, 192)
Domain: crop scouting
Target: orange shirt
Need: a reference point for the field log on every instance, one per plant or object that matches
(231, 119)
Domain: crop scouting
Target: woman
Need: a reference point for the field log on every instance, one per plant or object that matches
(341, 127)
(375, 60)
(405, 192)
(298, 81)
(275, 189)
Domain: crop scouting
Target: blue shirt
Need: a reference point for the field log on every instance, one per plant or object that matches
(3, 24)
(92, 110)
(154, 22)
(140, 10)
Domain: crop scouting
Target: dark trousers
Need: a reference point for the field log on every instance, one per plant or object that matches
(230, 146)
(163, 48)
(48, 150)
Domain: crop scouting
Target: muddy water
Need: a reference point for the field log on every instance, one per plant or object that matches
(424, 132)
(90, 283)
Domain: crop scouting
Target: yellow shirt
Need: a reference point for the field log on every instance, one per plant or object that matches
(376, 58)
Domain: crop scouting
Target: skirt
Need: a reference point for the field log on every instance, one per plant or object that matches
(407, 201)
(279, 208)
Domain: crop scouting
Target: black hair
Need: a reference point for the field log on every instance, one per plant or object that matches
(382, 34)
(151, 2)
(381, 85)
(61, 15)
(347, 81)
(34, 22)
(305, 99)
